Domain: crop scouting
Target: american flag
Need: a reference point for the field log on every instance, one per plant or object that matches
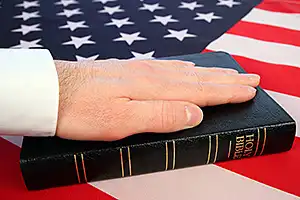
(262, 35)
(99, 29)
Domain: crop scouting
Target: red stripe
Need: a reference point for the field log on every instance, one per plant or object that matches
(266, 33)
(12, 186)
(278, 170)
(286, 6)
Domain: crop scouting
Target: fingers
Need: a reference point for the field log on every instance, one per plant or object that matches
(201, 94)
(221, 78)
(179, 70)
(172, 63)
(215, 70)
(170, 69)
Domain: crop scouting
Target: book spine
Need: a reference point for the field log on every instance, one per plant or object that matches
(89, 166)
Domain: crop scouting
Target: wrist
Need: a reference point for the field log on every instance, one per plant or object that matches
(64, 74)
(70, 77)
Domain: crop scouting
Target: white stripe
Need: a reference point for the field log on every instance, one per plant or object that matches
(270, 52)
(16, 140)
(284, 20)
(291, 104)
(201, 182)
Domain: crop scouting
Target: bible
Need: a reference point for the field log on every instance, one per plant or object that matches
(231, 131)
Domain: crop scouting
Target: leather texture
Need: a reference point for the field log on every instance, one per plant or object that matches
(237, 131)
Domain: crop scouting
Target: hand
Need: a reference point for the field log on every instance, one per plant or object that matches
(112, 99)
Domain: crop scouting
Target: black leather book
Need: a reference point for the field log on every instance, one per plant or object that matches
(228, 132)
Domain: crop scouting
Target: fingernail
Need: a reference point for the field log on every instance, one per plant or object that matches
(231, 71)
(253, 77)
(189, 63)
(194, 116)
(252, 90)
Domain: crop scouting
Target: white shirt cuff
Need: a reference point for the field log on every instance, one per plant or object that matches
(29, 92)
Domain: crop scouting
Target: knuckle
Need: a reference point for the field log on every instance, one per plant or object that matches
(179, 63)
(230, 97)
(195, 76)
(142, 64)
(168, 115)
(147, 66)
(199, 81)
(199, 77)
(200, 87)
(175, 63)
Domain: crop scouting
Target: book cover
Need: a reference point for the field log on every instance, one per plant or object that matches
(227, 132)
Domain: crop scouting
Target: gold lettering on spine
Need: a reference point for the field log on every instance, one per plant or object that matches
(249, 145)
(76, 167)
(83, 167)
(121, 159)
(244, 145)
(257, 143)
(229, 150)
(129, 161)
(240, 139)
(174, 155)
(167, 156)
(217, 146)
(265, 137)
(209, 149)
(239, 147)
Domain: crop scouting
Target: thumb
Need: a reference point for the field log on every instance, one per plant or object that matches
(162, 116)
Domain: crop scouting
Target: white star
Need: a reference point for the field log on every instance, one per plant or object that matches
(79, 41)
(28, 4)
(111, 10)
(28, 44)
(191, 5)
(103, 1)
(163, 19)
(229, 3)
(74, 25)
(80, 58)
(69, 13)
(207, 17)
(129, 38)
(180, 35)
(142, 56)
(151, 7)
(27, 15)
(66, 2)
(26, 29)
(119, 22)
